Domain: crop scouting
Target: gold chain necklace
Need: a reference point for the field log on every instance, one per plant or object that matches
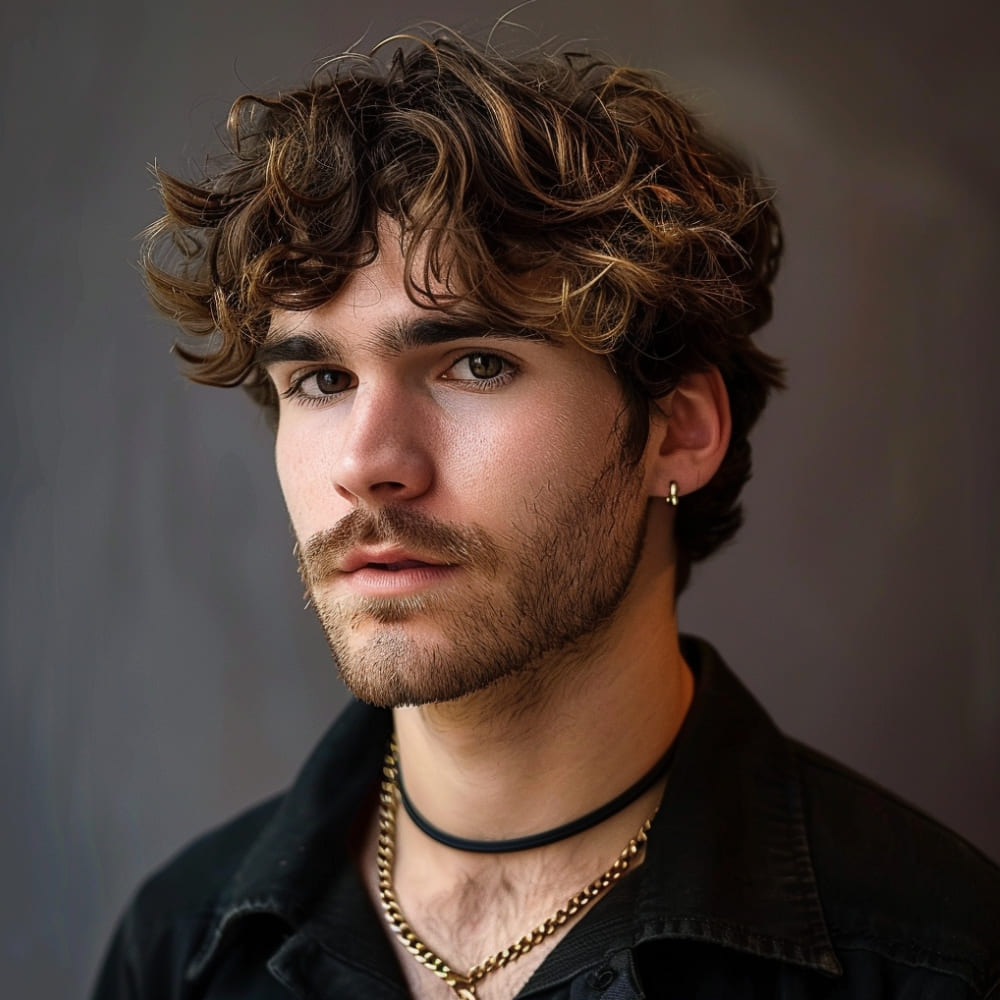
(464, 986)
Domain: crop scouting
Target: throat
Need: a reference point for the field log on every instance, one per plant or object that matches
(464, 928)
(529, 842)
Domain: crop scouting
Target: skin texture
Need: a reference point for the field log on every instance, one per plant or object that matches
(483, 560)
(506, 530)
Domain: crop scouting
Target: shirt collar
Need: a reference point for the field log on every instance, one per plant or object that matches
(727, 861)
(305, 842)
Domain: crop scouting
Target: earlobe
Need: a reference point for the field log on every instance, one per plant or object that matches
(689, 434)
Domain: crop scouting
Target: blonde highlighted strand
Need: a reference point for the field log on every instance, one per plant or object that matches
(555, 192)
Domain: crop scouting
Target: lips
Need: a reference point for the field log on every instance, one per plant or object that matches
(388, 573)
(392, 548)
(395, 567)
(389, 560)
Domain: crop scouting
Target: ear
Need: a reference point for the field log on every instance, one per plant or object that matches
(689, 433)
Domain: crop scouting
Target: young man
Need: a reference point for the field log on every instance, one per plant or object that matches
(502, 311)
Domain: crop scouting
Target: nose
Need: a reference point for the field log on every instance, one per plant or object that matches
(385, 454)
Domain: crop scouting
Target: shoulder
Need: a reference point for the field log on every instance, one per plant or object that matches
(895, 883)
(254, 875)
(191, 882)
(172, 910)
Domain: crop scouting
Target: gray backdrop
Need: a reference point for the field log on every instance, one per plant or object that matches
(158, 669)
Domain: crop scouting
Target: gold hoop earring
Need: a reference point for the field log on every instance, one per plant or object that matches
(672, 497)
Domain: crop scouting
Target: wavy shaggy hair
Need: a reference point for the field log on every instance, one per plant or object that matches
(554, 192)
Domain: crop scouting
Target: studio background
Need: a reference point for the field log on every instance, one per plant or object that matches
(158, 669)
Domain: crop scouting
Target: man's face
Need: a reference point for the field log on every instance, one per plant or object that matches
(460, 498)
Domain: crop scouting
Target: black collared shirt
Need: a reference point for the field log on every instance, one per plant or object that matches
(770, 872)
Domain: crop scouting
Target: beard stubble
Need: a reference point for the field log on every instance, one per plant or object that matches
(534, 591)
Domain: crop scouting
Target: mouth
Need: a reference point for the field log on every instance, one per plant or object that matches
(395, 567)
(387, 560)
(392, 572)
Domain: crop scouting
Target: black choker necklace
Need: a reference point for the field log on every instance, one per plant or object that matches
(599, 815)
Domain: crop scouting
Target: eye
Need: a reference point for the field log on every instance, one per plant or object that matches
(326, 382)
(484, 366)
(316, 385)
(481, 370)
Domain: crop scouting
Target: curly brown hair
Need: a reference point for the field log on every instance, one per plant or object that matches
(555, 192)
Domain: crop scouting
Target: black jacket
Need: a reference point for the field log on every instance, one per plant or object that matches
(770, 872)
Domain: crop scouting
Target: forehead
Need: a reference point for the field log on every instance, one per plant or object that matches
(375, 311)
(378, 289)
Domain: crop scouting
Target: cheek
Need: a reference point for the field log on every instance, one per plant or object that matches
(521, 456)
(498, 458)
(299, 474)
(477, 455)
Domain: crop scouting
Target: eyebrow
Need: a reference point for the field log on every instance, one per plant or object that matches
(392, 339)
(308, 346)
(408, 334)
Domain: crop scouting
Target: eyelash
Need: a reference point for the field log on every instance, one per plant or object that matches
(485, 384)
(510, 369)
(294, 391)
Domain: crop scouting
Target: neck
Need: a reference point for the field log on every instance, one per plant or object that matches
(546, 745)
(539, 749)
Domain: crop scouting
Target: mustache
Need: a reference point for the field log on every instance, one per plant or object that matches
(321, 554)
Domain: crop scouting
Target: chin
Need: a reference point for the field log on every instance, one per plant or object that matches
(395, 670)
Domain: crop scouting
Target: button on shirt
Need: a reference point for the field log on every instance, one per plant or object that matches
(770, 871)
